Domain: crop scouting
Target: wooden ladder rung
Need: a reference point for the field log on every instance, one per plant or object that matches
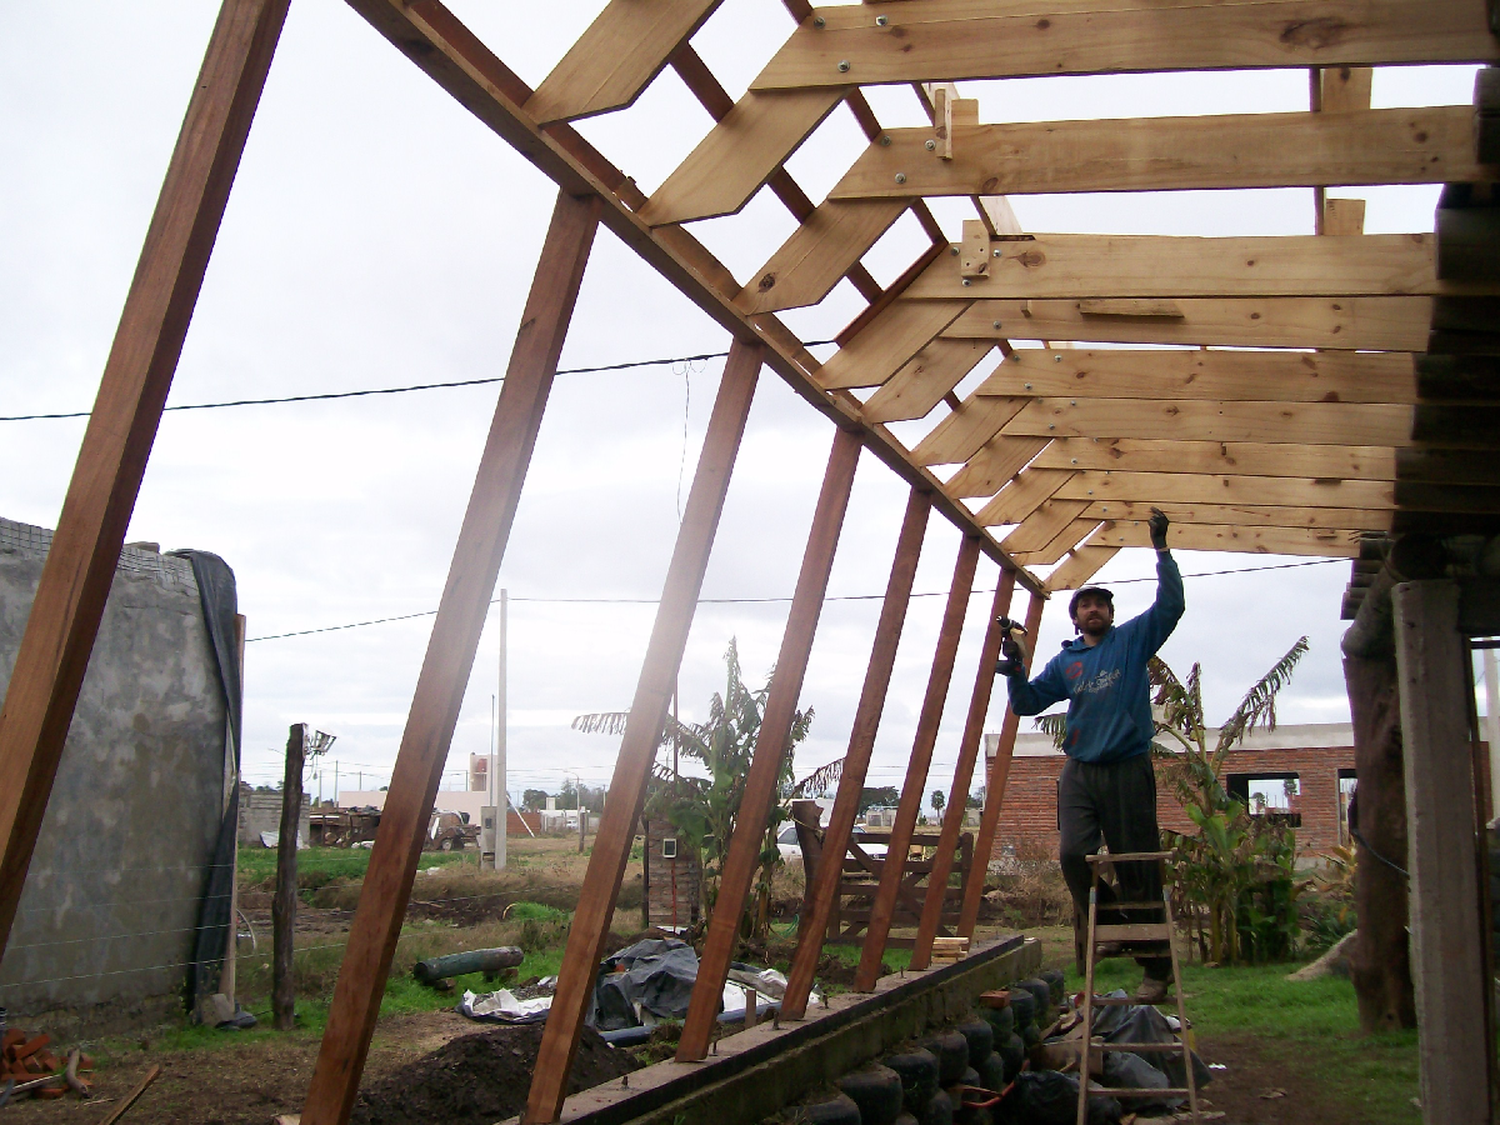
(1135, 1047)
(1132, 1092)
(1144, 931)
(1130, 857)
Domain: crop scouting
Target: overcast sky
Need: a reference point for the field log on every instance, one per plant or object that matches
(378, 236)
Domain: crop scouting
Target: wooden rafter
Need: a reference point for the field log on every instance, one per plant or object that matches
(1212, 458)
(950, 40)
(1326, 543)
(1253, 150)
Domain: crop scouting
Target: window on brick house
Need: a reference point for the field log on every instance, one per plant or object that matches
(1276, 796)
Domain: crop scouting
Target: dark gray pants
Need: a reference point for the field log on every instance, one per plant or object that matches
(1114, 804)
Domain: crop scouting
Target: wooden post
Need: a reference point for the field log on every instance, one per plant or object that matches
(823, 888)
(75, 580)
(284, 903)
(449, 661)
(963, 773)
(883, 909)
(1446, 930)
(994, 789)
(770, 746)
(648, 714)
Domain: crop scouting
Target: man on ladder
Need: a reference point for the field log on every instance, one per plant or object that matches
(1107, 789)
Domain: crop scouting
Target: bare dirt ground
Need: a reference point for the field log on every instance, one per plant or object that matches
(248, 1080)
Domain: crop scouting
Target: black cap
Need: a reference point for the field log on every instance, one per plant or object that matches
(1098, 591)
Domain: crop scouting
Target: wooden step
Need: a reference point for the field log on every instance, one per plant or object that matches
(1130, 857)
(1140, 931)
(1136, 1047)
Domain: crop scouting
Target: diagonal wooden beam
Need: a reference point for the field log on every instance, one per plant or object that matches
(449, 661)
(1296, 423)
(674, 616)
(626, 46)
(929, 375)
(964, 432)
(1177, 488)
(825, 886)
(951, 40)
(1398, 324)
(1257, 459)
(1084, 266)
(1024, 495)
(1042, 526)
(1262, 376)
(999, 459)
(883, 908)
(1081, 564)
(75, 580)
(1324, 543)
(1227, 151)
(819, 252)
(887, 343)
(448, 52)
(994, 788)
(770, 748)
(963, 774)
(1069, 536)
(739, 154)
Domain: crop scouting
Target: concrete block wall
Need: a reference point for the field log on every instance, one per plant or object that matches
(260, 811)
(107, 918)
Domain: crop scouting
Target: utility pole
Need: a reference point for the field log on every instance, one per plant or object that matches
(499, 793)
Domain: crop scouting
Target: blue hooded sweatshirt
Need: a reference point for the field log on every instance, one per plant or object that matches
(1108, 693)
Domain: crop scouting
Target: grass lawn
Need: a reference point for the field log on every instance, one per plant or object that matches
(1309, 1030)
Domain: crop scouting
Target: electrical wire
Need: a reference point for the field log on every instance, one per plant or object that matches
(752, 601)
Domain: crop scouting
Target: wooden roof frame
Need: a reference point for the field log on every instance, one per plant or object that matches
(1290, 395)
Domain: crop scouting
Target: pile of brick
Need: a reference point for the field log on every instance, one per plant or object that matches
(25, 1061)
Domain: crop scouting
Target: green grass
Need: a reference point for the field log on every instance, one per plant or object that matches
(319, 867)
(1311, 1028)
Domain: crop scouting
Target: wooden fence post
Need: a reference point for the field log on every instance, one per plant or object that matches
(449, 660)
(824, 891)
(1446, 930)
(770, 746)
(648, 715)
(994, 789)
(883, 909)
(284, 902)
(963, 774)
(75, 581)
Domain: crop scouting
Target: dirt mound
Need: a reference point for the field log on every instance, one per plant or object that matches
(480, 1079)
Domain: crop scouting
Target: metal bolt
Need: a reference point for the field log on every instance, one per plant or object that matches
(819, 21)
(953, 250)
(997, 253)
(843, 66)
(881, 21)
(901, 177)
(1075, 460)
(885, 139)
(1074, 402)
(930, 145)
(1057, 359)
(997, 326)
(1028, 386)
(1052, 425)
(967, 283)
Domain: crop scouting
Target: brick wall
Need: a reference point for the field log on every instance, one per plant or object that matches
(673, 886)
(1028, 819)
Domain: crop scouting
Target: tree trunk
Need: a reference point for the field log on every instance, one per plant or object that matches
(1380, 962)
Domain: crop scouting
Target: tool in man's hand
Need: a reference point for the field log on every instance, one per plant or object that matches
(1011, 654)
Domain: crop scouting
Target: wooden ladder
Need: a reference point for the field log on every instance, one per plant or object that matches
(1128, 935)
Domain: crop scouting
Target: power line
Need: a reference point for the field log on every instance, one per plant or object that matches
(330, 395)
(756, 601)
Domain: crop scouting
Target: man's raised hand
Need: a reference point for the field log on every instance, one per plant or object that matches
(1159, 524)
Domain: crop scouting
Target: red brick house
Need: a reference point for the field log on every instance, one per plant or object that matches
(1318, 759)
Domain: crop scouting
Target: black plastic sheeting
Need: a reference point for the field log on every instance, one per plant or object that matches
(657, 973)
(1141, 1023)
(220, 601)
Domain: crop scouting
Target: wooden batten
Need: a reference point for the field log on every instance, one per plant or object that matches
(921, 384)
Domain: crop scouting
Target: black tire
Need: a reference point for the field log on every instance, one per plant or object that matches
(904, 1118)
(1003, 1020)
(939, 1110)
(1023, 1004)
(839, 1111)
(445, 844)
(919, 1077)
(981, 1039)
(992, 1073)
(1057, 982)
(1012, 1052)
(970, 1077)
(952, 1052)
(1041, 991)
(877, 1092)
